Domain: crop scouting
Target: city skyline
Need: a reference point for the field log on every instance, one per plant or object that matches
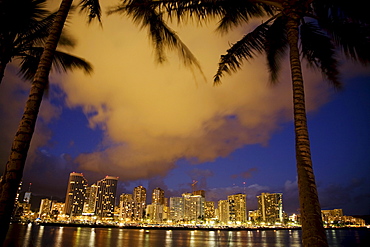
(100, 200)
(97, 204)
(145, 197)
(165, 126)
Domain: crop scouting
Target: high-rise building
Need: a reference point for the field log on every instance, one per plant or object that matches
(176, 209)
(90, 199)
(127, 207)
(154, 212)
(27, 197)
(45, 207)
(57, 208)
(139, 194)
(75, 196)
(270, 207)
(223, 211)
(158, 196)
(193, 207)
(237, 208)
(106, 196)
(209, 210)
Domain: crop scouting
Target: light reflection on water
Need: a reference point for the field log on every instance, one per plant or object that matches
(33, 235)
(28, 234)
(59, 237)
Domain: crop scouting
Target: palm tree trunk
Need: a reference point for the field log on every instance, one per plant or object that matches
(2, 71)
(15, 165)
(313, 232)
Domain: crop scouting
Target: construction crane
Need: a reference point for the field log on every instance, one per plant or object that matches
(193, 185)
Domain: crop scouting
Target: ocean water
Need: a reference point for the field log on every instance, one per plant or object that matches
(55, 236)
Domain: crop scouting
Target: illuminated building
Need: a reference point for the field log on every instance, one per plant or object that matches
(332, 213)
(139, 194)
(176, 209)
(270, 207)
(254, 215)
(90, 199)
(237, 208)
(193, 207)
(201, 193)
(45, 207)
(127, 206)
(27, 197)
(76, 192)
(209, 210)
(331, 216)
(17, 210)
(106, 196)
(223, 211)
(336, 217)
(350, 220)
(158, 196)
(57, 208)
(166, 212)
(154, 212)
(126, 197)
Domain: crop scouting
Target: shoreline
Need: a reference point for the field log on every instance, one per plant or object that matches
(146, 227)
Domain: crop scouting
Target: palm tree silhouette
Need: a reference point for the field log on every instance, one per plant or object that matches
(24, 36)
(15, 164)
(314, 30)
(161, 36)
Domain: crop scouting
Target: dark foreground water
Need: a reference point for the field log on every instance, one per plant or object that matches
(53, 236)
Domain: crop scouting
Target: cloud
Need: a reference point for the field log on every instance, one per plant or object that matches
(246, 174)
(13, 95)
(351, 196)
(153, 115)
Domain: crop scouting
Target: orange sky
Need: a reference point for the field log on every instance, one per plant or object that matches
(155, 114)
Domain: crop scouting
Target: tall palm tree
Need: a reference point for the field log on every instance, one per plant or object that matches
(15, 164)
(162, 37)
(25, 35)
(314, 30)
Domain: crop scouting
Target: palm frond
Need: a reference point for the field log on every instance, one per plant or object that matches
(62, 62)
(92, 7)
(35, 32)
(15, 15)
(244, 49)
(146, 15)
(190, 9)
(236, 12)
(231, 12)
(339, 10)
(353, 39)
(276, 45)
(66, 40)
(319, 51)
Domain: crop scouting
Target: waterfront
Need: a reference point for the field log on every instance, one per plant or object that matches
(56, 236)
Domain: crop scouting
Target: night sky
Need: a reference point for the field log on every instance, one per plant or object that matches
(167, 125)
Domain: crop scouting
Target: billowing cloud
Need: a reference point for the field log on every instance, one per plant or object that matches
(13, 96)
(153, 115)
